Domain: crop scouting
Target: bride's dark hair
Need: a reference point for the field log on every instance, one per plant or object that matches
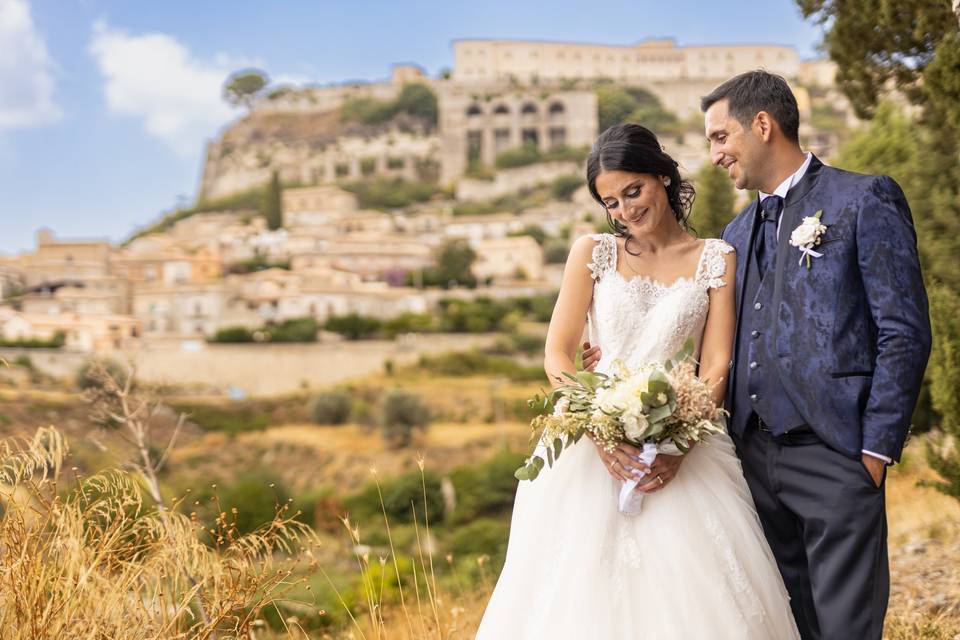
(634, 148)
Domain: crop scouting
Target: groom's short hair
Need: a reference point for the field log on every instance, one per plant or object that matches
(755, 91)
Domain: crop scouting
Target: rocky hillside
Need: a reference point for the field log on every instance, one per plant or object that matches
(349, 138)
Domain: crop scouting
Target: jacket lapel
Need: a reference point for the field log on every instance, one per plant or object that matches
(794, 209)
(745, 251)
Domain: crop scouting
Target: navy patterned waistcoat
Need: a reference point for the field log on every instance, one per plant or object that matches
(756, 382)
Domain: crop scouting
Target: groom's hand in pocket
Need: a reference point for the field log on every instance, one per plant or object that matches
(875, 466)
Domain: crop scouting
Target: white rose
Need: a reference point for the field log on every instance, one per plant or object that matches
(807, 233)
(635, 426)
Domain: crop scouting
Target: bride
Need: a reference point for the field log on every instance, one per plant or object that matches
(694, 562)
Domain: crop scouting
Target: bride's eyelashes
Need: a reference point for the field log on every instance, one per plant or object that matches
(632, 193)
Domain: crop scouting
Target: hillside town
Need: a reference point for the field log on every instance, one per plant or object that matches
(493, 163)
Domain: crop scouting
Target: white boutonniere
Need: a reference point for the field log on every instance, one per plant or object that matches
(807, 236)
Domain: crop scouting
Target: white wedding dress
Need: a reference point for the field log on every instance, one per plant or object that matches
(694, 563)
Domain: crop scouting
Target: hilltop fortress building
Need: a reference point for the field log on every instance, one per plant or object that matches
(500, 95)
(530, 62)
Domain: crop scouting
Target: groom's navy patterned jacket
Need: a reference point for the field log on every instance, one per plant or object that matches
(852, 333)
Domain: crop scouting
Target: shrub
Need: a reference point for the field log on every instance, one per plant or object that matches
(486, 536)
(519, 157)
(85, 378)
(474, 316)
(538, 308)
(353, 326)
(228, 419)
(418, 100)
(257, 263)
(475, 363)
(399, 493)
(409, 323)
(415, 99)
(534, 231)
(564, 187)
(390, 192)
(331, 407)
(54, 342)
(525, 343)
(486, 488)
(256, 497)
(295, 330)
(232, 335)
(556, 251)
(403, 412)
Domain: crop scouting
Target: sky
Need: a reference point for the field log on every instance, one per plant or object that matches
(106, 105)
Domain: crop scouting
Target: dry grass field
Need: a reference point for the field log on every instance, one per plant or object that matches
(924, 525)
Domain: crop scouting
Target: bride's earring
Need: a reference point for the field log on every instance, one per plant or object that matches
(666, 182)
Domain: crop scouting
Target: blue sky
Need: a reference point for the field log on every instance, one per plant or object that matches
(105, 105)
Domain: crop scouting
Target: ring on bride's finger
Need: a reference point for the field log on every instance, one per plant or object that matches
(661, 480)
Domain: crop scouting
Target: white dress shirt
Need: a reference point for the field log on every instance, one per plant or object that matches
(782, 191)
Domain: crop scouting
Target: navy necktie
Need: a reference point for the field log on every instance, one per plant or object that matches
(766, 242)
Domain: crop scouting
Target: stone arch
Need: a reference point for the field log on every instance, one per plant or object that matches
(557, 108)
(528, 108)
(501, 109)
(474, 110)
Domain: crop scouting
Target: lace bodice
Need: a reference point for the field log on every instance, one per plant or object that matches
(641, 320)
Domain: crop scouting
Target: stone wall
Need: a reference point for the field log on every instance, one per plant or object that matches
(512, 180)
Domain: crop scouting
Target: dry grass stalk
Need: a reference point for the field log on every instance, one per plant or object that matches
(94, 562)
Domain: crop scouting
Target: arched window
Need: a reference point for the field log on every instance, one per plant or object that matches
(474, 110)
(529, 107)
(501, 109)
(556, 108)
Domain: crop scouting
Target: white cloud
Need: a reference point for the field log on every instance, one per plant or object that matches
(155, 77)
(26, 70)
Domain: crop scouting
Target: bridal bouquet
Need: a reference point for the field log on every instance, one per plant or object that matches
(659, 408)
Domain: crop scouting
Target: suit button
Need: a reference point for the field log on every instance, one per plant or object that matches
(754, 334)
(754, 365)
(758, 306)
(753, 397)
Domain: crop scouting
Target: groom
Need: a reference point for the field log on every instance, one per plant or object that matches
(830, 349)
(829, 354)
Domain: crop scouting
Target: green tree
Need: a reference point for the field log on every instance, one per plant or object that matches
(418, 100)
(403, 412)
(632, 104)
(915, 45)
(564, 187)
(454, 263)
(535, 231)
(243, 87)
(273, 203)
(353, 326)
(875, 42)
(713, 207)
(614, 105)
(945, 372)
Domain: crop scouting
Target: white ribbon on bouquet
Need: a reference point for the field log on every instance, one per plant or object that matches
(630, 501)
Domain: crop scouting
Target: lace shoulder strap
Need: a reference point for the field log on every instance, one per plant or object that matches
(604, 256)
(712, 267)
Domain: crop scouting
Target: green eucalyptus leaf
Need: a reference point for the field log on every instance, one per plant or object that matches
(685, 352)
(658, 414)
